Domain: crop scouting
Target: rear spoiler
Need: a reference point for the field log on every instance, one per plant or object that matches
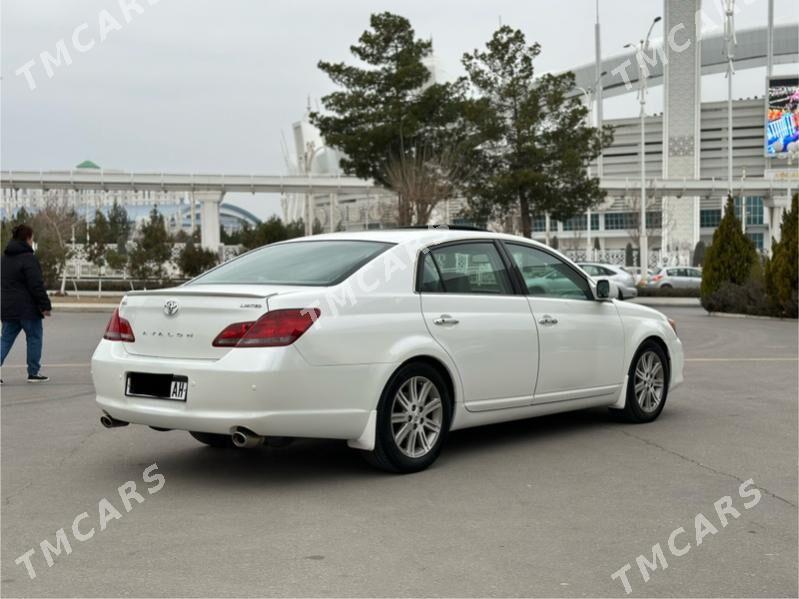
(191, 292)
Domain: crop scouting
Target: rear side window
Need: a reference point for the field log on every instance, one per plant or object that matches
(312, 263)
(431, 280)
(465, 268)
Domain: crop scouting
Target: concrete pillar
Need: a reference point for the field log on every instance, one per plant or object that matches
(333, 208)
(681, 117)
(210, 202)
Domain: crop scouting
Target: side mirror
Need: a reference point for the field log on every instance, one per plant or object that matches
(602, 289)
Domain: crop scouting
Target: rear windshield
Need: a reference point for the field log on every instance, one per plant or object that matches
(297, 263)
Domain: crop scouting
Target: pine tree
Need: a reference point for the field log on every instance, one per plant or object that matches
(195, 260)
(153, 248)
(730, 257)
(698, 257)
(390, 108)
(783, 269)
(532, 143)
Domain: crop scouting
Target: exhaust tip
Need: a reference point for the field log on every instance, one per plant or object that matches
(243, 437)
(110, 422)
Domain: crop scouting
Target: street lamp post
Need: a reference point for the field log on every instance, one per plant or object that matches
(729, 43)
(593, 115)
(643, 74)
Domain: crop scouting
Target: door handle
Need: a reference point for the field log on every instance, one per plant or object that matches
(546, 319)
(445, 319)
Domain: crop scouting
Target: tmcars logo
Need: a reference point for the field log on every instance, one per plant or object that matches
(104, 513)
(703, 527)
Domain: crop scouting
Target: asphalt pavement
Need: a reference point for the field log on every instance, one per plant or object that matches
(545, 507)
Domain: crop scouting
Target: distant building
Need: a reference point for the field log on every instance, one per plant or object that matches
(175, 206)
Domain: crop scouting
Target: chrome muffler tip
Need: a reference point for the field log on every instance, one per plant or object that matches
(245, 438)
(111, 422)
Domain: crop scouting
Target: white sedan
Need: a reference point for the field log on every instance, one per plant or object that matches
(386, 339)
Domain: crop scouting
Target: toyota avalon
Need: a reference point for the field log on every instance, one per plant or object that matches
(385, 339)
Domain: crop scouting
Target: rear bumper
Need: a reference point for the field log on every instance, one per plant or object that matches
(271, 391)
(629, 291)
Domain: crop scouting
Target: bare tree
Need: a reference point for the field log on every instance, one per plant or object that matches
(421, 180)
(634, 225)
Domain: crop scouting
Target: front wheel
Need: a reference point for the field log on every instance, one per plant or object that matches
(413, 418)
(647, 384)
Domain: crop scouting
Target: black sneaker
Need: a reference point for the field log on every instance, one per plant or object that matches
(38, 378)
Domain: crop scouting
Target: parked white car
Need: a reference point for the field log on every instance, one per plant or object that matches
(386, 339)
(625, 282)
(681, 277)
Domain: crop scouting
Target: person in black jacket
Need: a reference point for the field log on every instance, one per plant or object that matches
(23, 299)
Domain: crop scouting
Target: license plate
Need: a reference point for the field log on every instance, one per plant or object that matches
(157, 386)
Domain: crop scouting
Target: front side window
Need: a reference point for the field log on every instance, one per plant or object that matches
(465, 268)
(546, 275)
(313, 263)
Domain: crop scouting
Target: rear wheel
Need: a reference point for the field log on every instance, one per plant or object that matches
(647, 384)
(621, 295)
(413, 418)
(213, 439)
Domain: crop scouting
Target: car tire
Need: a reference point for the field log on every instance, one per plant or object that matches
(213, 439)
(621, 296)
(666, 286)
(413, 418)
(647, 384)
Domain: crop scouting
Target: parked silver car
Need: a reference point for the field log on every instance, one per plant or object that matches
(624, 281)
(678, 277)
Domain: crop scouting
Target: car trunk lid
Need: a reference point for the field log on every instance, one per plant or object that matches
(183, 322)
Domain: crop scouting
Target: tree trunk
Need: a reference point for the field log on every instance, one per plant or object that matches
(404, 212)
(524, 213)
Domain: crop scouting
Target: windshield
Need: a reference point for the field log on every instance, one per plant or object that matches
(316, 263)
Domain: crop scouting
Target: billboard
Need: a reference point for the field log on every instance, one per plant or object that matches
(782, 115)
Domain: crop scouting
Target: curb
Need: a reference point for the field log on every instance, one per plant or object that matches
(672, 302)
(84, 307)
(751, 316)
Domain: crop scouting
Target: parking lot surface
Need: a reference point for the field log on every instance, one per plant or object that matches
(545, 507)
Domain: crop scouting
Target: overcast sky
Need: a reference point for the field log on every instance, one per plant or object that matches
(210, 85)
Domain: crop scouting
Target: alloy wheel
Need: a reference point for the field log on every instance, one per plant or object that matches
(649, 381)
(416, 416)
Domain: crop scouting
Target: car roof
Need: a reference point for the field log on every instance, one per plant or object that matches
(426, 235)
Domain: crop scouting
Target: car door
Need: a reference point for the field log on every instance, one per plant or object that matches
(472, 310)
(694, 278)
(678, 277)
(581, 340)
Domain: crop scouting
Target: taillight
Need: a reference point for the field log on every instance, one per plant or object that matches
(656, 278)
(119, 329)
(273, 329)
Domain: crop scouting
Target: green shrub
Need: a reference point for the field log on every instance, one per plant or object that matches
(783, 269)
(698, 257)
(668, 292)
(194, 260)
(628, 255)
(729, 259)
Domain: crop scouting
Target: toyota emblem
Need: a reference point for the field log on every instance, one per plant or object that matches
(171, 307)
